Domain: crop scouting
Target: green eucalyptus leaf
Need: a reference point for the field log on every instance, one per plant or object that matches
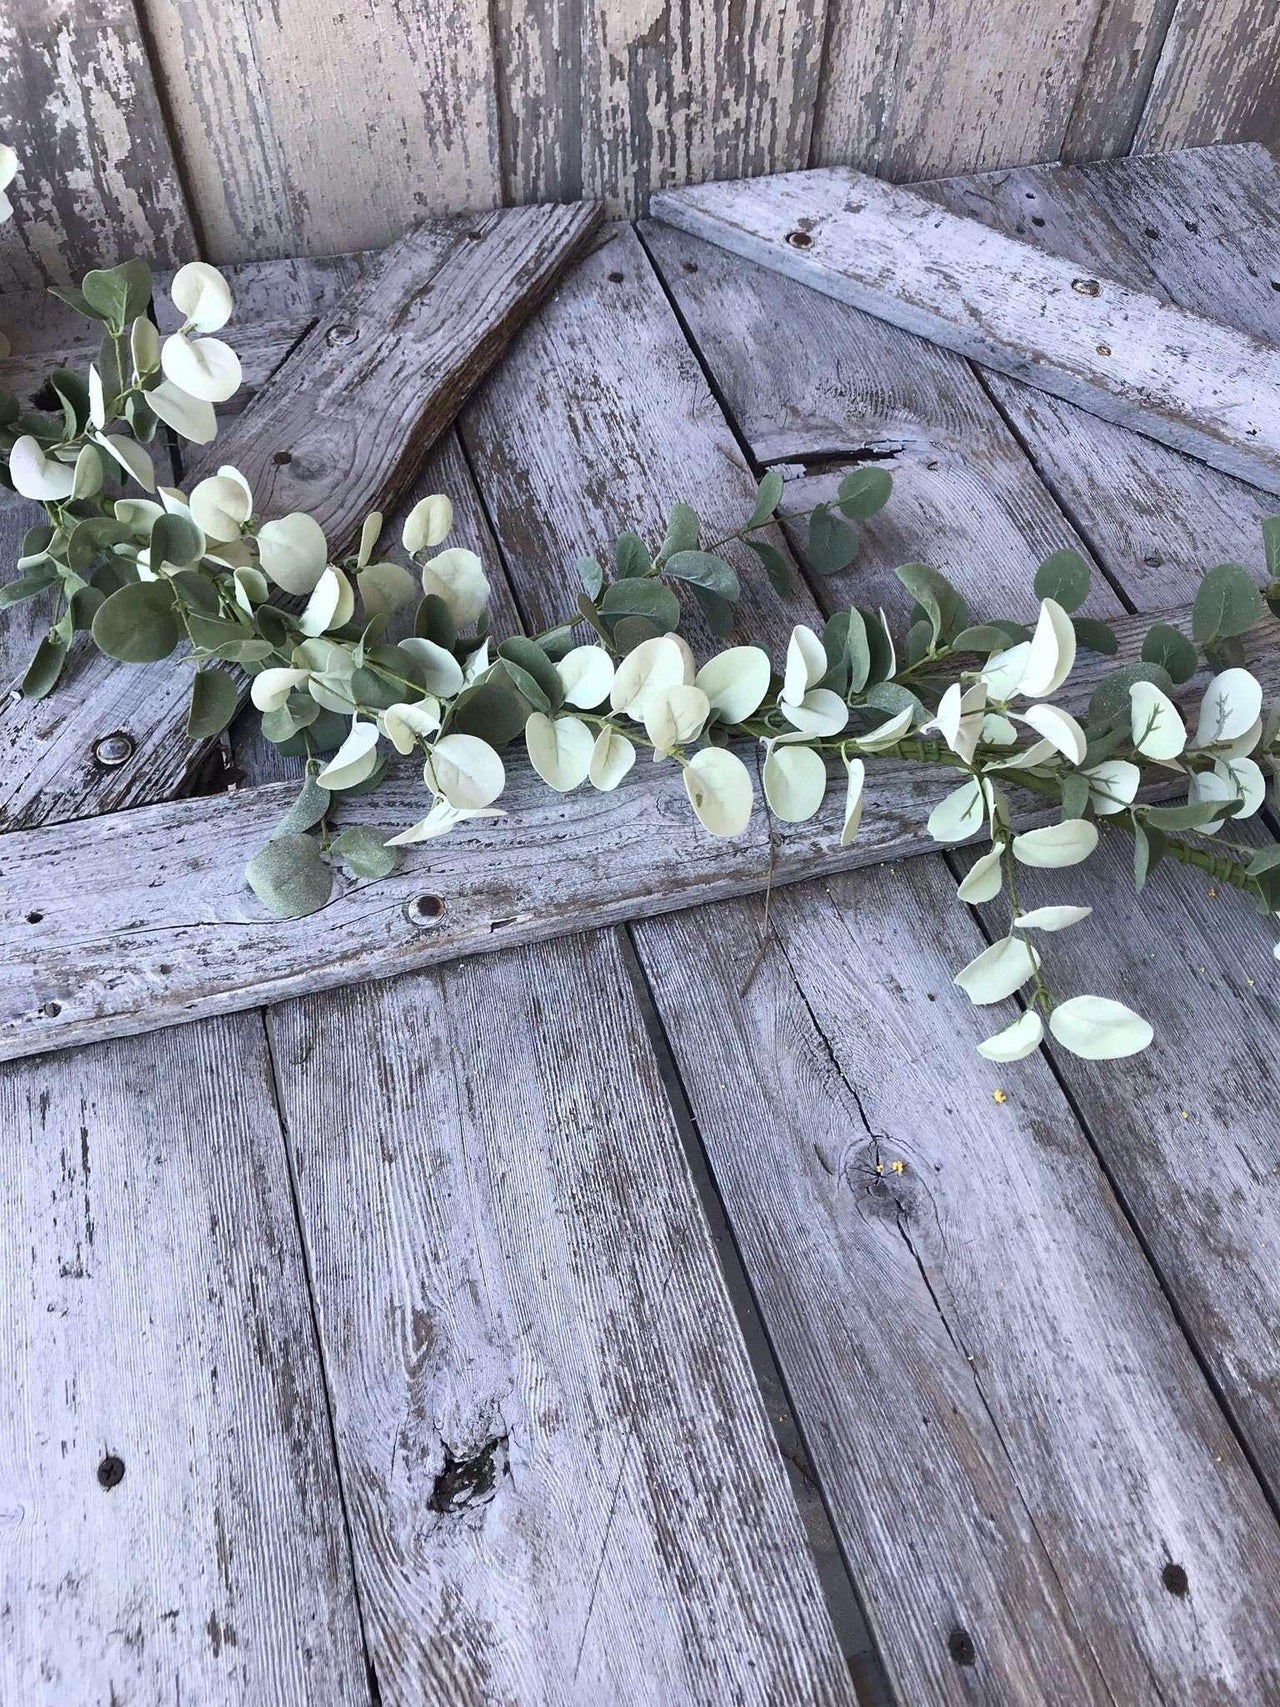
(650, 599)
(1149, 845)
(307, 810)
(632, 631)
(290, 877)
(832, 544)
(1227, 602)
(73, 394)
(1170, 648)
(137, 625)
(683, 529)
(531, 658)
(433, 620)
(1271, 545)
(176, 540)
(491, 708)
(120, 294)
(83, 606)
(1064, 578)
(864, 492)
(768, 497)
(1110, 698)
(943, 607)
(702, 569)
(45, 668)
(214, 699)
(1095, 636)
(364, 852)
(28, 586)
(982, 637)
(631, 556)
(717, 612)
(776, 567)
(591, 575)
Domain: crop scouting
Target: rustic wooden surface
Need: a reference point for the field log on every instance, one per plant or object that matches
(562, 1483)
(308, 127)
(98, 181)
(1188, 381)
(354, 408)
(168, 879)
(169, 1500)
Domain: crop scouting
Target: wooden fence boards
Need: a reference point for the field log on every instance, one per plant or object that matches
(341, 432)
(563, 1486)
(983, 1315)
(98, 181)
(1215, 78)
(169, 1504)
(1126, 356)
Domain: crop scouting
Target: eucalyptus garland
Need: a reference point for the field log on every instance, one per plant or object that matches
(365, 660)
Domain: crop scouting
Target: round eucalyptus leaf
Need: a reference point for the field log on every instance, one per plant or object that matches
(290, 877)
(1098, 1029)
(214, 699)
(137, 625)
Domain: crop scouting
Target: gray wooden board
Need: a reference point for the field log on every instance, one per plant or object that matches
(98, 181)
(563, 1486)
(1129, 357)
(153, 1311)
(353, 411)
(998, 1401)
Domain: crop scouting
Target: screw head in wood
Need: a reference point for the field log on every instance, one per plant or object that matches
(1086, 287)
(424, 911)
(800, 240)
(340, 334)
(111, 1471)
(114, 750)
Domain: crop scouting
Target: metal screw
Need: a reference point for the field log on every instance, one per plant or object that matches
(1104, 349)
(424, 910)
(111, 1471)
(114, 750)
(341, 334)
(800, 240)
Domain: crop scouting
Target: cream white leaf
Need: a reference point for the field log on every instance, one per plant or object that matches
(271, 688)
(332, 603)
(97, 398)
(411, 721)
(220, 507)
(131, 457)
(1157, 728)
(439, 821)
(998, 971)
(959, 718)
(1051, 918)
(144, 349)
(370, 533)
(1232, 704)
(466, 771)
(202, 296)
(1113, 785)
(293, 552)
(1003, 674)
(643, 674)
(984, 880)
(189, 416)
(857, 774)
(355, 760)
(795, 781)
(611, 758)
(960, 815)
(735, 682)
(442, 673)
(385, 588)
(1053, 653)
(457, 576)
(38, 476)
(88, 473)
(586, 674)
(887, 734)
(719, 788)
(1067, 843)
(676, 716)
(1098, 1029)
(427, 524)
(998, 731)
(205, 368)
(1243, 777)
(1017, 1040)
(560, 750)
(1059, 728)
(820, 713)
(806, 665)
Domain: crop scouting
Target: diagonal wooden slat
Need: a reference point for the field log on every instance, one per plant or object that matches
(1130, 358)
(339, 432)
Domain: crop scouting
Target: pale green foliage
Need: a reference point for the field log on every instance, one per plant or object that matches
(361, 661)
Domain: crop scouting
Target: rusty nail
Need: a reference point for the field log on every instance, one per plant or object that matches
(114, 750)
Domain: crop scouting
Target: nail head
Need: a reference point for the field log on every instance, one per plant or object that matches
(114, 750)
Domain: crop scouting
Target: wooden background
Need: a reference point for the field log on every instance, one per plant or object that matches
(259, 128)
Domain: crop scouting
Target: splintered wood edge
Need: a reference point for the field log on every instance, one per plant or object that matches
(1199, 386)
(159, 927)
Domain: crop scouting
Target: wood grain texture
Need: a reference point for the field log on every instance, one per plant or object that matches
(1215, 81)
(563, 1486)
(153, 1311)
(1013, 1436)
(917, 88)
(98, 181)
(307, 127)
(1126, 356)
(340, 432)
(617, 98)
(1116, 77)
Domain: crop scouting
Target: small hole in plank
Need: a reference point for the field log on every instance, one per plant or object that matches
(282, 458)
(1153, 560)
(800, 240)
(1275, 284)
(1174, 1579)
(616, 278)
(111, 1471)
(1150, 232)
(34, 918)
(692, 267)
(960, 1647)
(51, 1010)
(1193, 226)
(1037, 220)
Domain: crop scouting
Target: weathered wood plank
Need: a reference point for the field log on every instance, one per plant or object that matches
(341, 432)
(563, 1484)
(604, 99)
(98, 182)
(917, 88)
(1116, 77)
(1215, 78)
(306, 128)
(974, 1343)
(1126, 356)
(170, 1502)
